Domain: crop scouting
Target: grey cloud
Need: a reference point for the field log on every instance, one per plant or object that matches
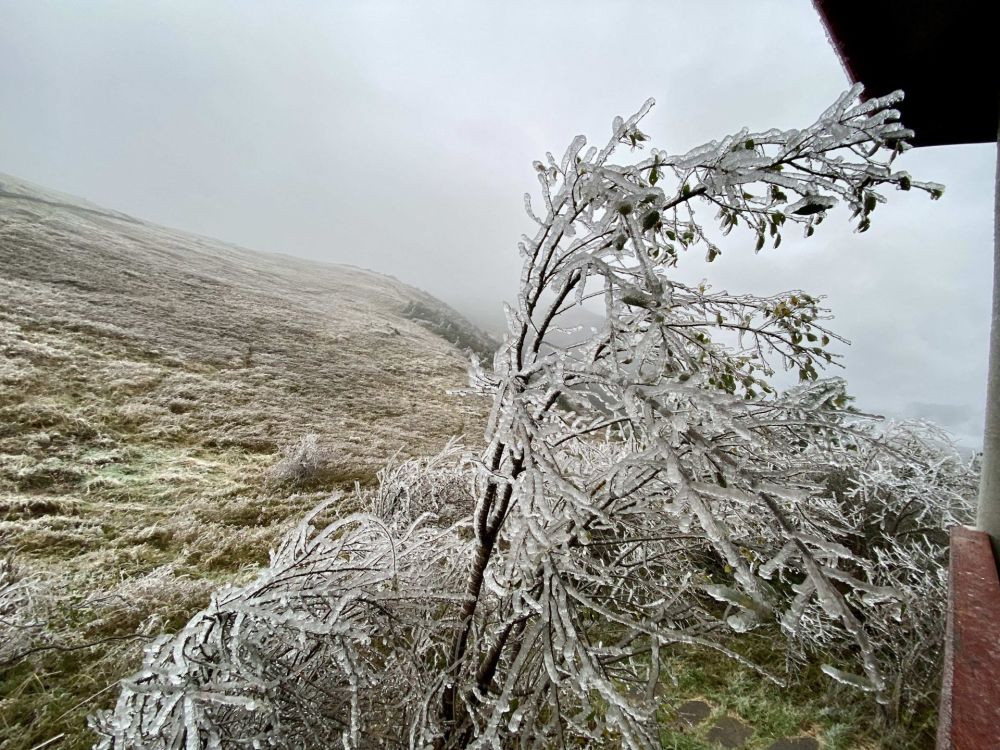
(959, 418)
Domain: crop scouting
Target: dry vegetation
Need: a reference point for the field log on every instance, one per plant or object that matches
(149, 382)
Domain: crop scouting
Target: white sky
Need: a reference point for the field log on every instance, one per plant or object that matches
(399, 136)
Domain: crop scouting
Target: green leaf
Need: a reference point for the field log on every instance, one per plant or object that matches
(809, 209)
(650, 220)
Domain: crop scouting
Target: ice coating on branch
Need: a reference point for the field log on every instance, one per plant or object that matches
(778, 561)
(846, 678)
(812, 204)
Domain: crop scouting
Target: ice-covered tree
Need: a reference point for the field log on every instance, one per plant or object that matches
(699, 440)
(645, 485)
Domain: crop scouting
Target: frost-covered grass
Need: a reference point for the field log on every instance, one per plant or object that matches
(149, 380)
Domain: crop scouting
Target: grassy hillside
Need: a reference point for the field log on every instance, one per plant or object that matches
(148, 381)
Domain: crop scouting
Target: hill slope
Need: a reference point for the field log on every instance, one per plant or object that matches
(148, 380)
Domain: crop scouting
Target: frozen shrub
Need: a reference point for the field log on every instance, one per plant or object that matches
(22, 613)
(439, 486)
(303, 463)
(894, 504)
(314, 653)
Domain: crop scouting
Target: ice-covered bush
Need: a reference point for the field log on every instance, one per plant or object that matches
(680, 376)
(22, 613)
(645, 485)
(438, 486)
(325, 646)
(905, 487)
(302, 463)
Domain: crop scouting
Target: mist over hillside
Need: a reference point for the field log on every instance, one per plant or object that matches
(330, 346)
(149, 380)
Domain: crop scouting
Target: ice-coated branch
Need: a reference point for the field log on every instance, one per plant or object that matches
(652, 459)
(332, 645)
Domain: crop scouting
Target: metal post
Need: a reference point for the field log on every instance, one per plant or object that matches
(988, 514)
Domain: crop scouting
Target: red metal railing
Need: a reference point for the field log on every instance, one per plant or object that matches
(969, 717)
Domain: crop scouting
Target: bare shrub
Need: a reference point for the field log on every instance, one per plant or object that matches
(303, 463)
(438, 485)
(22, 615)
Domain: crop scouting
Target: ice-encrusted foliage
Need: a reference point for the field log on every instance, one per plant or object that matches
(22, 615)
(644, 485)
(892, 505)
(325, 647)
(581, 570)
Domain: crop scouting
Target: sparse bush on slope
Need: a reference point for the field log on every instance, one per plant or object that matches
(303, 463)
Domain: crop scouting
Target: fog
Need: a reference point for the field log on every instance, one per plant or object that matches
(399, 137)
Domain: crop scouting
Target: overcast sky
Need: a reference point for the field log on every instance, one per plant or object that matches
(399, 136)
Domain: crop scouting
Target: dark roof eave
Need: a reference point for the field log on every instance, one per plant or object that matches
(937, 52)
